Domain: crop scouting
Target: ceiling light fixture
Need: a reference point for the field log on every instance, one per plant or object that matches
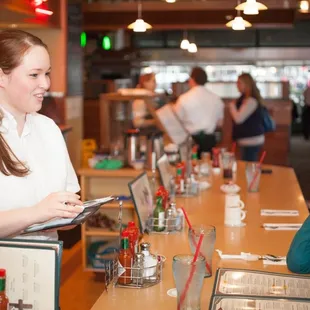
(192, 48)
(304, 6)
(251, 7)
(185, 43)
(139, 25)
(170, 1)
(44, 11)
(238, 23)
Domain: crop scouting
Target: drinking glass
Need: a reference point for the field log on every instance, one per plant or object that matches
(253, 174)
(188, 278)
(216, 152)
(228, 160)
(207, 246)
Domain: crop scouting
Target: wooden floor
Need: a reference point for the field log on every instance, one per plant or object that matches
(79, 290)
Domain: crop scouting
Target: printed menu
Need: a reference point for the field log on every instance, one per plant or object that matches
(32, 272)
(242, 303)
(250, 289)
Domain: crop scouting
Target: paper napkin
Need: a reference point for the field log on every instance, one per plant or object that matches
(282, 226)
(270, 212)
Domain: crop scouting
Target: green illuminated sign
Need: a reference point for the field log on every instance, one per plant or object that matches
(106, 43)
(83, 39)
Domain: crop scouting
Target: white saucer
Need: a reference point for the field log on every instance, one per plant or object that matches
(172, 292)
(216, 171)
(230, 188)
(232, 225)
(204, 185)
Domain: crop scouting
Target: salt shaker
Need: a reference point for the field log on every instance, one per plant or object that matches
(170, 216)
(137, 269)
(150, 261)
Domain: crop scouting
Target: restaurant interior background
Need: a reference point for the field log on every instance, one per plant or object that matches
(93, 52)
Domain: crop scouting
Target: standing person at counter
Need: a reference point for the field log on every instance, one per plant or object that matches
(141, 116)
(246, 112)
(37, 179)
(201, 111)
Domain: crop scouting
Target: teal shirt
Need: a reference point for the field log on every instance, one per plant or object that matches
(298, 256)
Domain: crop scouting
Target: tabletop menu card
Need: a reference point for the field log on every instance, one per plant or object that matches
(165, 171)
(142, 197)
(33, 273)
(250, 289)
(90, 207)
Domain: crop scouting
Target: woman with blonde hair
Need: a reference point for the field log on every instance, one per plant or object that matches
(247, 115)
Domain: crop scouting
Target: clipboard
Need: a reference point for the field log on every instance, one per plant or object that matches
(90, 207)
(142, 198)
(33, 272)
(169, 122)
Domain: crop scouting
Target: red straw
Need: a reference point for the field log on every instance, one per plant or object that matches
(189, 280)
(193, 237)
(187, 219)
(233, 148)
(257, 169)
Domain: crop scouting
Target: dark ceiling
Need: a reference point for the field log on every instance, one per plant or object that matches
(110, 15)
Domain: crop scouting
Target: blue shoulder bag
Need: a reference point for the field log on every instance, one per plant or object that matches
(268, 123)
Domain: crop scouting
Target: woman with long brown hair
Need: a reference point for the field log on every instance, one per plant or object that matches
(246, 112)
(141, 116)
(37, 180)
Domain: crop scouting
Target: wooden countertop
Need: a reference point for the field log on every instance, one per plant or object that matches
(121, 173)
(279, 190)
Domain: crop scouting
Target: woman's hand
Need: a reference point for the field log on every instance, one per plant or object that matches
(232, 104)
(60, 204)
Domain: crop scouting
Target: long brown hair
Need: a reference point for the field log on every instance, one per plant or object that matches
(249, 82)
(13, 46)
(145, 78)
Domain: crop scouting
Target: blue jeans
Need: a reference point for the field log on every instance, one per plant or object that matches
(250, 153)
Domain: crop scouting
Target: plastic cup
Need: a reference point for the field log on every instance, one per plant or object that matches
(183, 267)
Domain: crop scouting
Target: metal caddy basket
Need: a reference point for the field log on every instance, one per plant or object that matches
(169, 226)
(138, 278)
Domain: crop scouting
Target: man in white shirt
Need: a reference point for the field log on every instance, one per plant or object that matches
(200, 111)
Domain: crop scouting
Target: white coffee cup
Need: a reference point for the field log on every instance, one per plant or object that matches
(234, 216)
(233, 200)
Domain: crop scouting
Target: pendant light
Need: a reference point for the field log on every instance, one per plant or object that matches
(238, 23)
(192, 48)
(304, 6)
(251, 7)
(139, 25)
(185, 43)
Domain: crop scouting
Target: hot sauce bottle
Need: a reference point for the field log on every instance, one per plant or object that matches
(125, 258)
(4, 301)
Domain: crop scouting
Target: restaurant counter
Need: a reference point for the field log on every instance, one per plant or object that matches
(279, 190)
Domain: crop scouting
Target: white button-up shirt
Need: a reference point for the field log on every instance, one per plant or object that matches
(200, 110)
(43, 150)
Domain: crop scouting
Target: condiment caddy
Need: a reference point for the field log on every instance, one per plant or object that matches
(133, 266)
(165, 218)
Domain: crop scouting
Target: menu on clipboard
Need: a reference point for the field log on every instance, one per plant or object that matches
(251, 289)
(90, 207)
(32, 273)
(169, 122)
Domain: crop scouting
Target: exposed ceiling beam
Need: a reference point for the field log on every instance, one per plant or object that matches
(119, 6)
(202, 19)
